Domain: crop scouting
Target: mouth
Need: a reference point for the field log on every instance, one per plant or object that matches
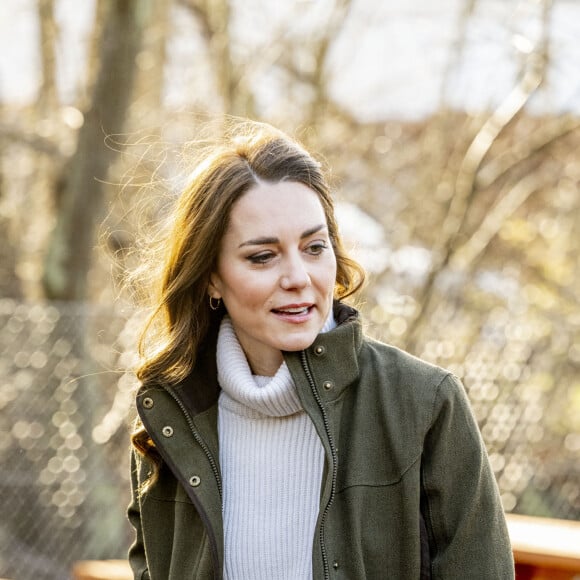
(294, 310)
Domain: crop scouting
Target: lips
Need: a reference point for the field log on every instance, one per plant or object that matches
(293, 309)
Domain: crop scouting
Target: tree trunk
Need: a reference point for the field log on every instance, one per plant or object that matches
(80, 202)
(48, 94)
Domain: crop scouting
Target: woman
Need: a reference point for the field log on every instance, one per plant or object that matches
(275, 440)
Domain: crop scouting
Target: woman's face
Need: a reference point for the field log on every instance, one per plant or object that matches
(276, 271)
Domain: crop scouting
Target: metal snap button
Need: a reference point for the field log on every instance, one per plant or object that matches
(167, 431)
(194, 480)
(327, 385)
(319, 350)
(148, 402)
(335, 565)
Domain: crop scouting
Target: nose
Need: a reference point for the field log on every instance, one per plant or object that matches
(295, 274)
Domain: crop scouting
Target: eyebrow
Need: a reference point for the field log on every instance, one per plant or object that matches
(271, 240)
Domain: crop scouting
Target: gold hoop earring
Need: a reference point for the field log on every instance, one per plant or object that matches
(214, 305)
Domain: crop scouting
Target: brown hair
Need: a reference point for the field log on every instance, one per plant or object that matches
(181, 317)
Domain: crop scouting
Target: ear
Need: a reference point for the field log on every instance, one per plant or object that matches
(213, 288)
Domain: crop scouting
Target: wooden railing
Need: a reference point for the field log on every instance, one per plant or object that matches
(544, 549)
(102, 570)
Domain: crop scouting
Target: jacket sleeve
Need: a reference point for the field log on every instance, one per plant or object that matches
(137, 558)
(466, 525)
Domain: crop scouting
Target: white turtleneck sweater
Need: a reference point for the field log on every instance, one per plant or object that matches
(271, 461)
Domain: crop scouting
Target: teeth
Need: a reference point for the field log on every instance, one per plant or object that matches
(294, 310)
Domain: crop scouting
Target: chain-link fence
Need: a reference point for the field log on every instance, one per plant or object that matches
(521, 376)
(64, 402)
(63, 437)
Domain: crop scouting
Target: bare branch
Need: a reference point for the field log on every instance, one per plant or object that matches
(507, 205)
(32, 140)
(465, 182)
(214, 21)
(48, 96)
(319, 81)
(89, 76)
(522, 150)
(201, 15)
(481, 144)
(457, 50)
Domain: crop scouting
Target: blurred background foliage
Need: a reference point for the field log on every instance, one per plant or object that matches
(451, 130)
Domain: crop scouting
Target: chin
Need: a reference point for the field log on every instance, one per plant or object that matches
(297, 344)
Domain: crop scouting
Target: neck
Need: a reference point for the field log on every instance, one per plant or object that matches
(265, 366)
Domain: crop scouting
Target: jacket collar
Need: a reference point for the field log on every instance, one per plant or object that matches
(332, 359)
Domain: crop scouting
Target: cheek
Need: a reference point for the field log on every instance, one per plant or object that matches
(246, 288)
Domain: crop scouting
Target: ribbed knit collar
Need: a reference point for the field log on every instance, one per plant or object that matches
(248, 394)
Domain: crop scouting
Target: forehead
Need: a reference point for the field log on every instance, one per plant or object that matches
(274, 207)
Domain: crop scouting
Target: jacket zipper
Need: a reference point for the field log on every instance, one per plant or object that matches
(198, 439)
(214, 467)
(334, 456)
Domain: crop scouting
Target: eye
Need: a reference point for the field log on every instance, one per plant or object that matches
(316, 248)
(261, 258)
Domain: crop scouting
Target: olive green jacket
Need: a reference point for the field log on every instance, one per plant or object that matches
(407, 490)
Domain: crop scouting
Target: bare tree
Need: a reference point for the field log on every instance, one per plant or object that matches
(80, 200)
(48, 97)
(463, 182)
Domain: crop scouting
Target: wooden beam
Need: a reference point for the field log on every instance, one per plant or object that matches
(545, 543)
